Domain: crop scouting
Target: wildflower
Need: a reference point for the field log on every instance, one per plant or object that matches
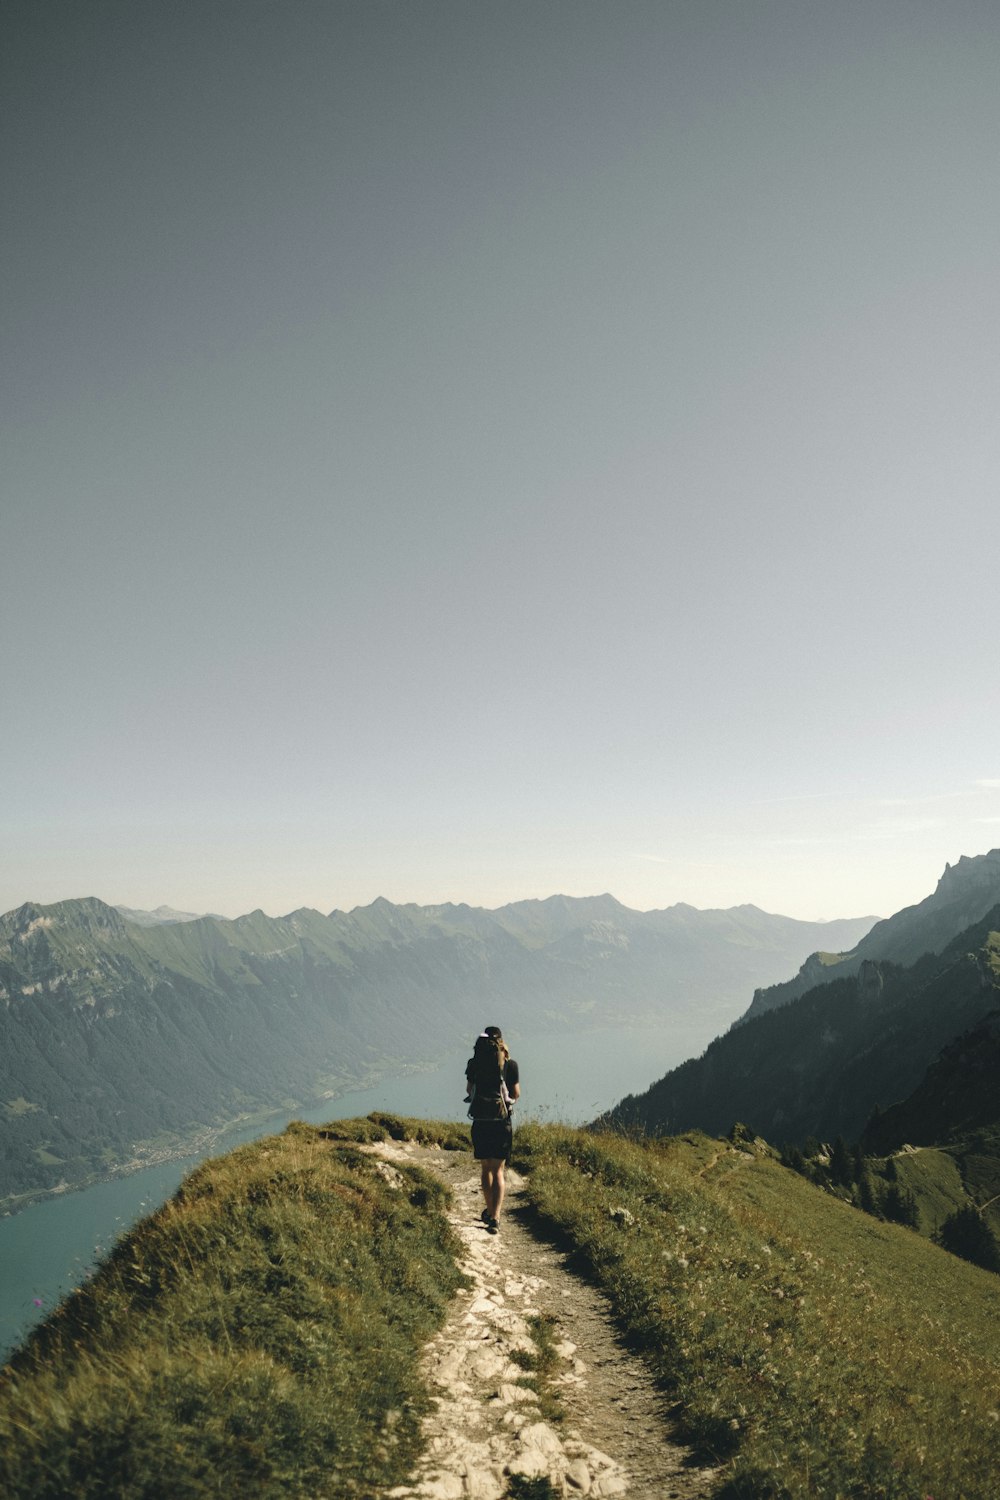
(38, 1301)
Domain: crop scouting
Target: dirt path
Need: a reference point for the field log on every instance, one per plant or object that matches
(487, 1425)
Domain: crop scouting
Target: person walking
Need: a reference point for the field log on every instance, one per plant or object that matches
(493, 1082)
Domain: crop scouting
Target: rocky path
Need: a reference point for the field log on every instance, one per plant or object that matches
(488, 1425)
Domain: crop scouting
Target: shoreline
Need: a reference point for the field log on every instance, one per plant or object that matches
(203, 1139)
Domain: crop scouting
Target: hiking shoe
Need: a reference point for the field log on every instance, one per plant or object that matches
(493, 1226)
(485, 1216)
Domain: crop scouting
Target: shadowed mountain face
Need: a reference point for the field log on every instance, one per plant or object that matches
(958, 1095)
(821, 1064)
(964, 894)
(114, 1034)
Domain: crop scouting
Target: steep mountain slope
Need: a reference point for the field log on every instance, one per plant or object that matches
(963, 896)
(822, 1063)
(117, 1040)
(957, 1097)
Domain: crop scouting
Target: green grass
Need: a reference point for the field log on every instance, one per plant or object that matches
(20, 1106)
(257, 1335)
(541, 1364)
(43, 1154)
(814, 1350)
(260, 1333)
(934, 1179)
(978, 1158)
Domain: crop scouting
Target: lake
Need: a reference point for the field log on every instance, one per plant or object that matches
(570, 1076)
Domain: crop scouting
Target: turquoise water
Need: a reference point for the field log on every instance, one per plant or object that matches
(50, 1248)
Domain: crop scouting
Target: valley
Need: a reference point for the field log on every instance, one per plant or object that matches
(122, 1042)
(821, 1183)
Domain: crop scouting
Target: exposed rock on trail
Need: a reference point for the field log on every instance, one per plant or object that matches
(488, 1424)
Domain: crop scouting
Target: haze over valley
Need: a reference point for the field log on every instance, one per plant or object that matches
(121, 1040)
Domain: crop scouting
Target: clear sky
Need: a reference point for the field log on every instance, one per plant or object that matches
(468, 451)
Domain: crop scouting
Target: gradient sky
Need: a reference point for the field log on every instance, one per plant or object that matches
(467, 451)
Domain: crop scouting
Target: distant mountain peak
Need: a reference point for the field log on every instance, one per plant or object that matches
(969, 873)
(89, 913)
(163, 915)
(963, 895)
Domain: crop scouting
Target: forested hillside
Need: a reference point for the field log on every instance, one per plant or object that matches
(820, 1065)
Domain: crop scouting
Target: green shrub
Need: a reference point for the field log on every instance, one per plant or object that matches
(966, 1233)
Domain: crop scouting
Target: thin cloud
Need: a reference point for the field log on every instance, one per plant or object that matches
(803, 797)
(808, 841)
(898, 828)
(926, 801)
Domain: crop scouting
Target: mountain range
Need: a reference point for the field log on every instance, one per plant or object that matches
(844, 1346)
(964, 894)
(900, 1028)
(119, 1039)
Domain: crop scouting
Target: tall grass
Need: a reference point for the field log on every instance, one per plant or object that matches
(818, 1351)
(258, 1335)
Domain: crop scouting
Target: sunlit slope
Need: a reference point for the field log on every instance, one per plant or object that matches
(823, 1352)
(260, 1333)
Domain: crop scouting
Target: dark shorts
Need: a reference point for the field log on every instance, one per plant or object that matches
(491, 1140)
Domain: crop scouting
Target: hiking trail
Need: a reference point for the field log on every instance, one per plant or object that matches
(486, 1425)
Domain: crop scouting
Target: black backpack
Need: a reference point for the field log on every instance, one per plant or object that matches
(487, 1086)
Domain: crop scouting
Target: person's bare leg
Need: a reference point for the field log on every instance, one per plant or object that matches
(486, 1178)
(493, 1185)
(498, 1189)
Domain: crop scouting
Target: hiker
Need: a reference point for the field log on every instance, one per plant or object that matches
(492, 1084)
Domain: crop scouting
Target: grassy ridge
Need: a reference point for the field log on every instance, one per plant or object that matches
(257, 1335)
(821, 1352)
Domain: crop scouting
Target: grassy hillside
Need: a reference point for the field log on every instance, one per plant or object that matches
(259, 1334)
(825, 1353)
